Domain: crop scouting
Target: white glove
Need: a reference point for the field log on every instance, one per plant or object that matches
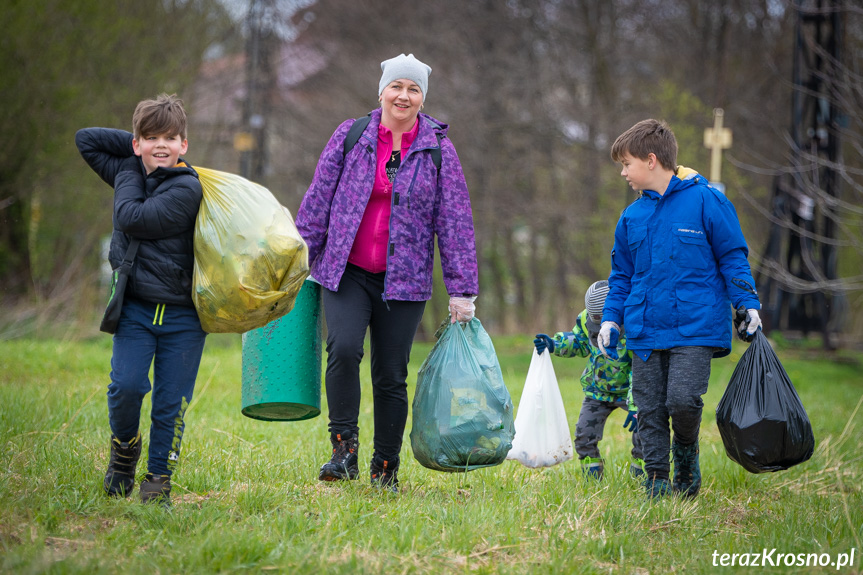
(461, 308)
(752, 323)
(609, 335)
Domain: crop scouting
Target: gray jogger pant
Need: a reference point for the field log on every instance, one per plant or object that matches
(669, 385)
(591, 424)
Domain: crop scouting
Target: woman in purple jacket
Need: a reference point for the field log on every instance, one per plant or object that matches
(369, 218)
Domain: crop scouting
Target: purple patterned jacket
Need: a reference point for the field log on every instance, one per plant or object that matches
(424, 204)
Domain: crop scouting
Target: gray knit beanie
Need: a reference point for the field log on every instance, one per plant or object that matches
(594, 298)
(405, 67)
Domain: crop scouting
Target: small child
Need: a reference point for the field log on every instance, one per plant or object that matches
(679, 256)
(156, 200)
(606, 383)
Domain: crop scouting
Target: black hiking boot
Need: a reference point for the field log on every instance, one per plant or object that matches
(385, 473)
(156, 489)
(120, 477)
(687, 473)
(656, 488)
(343, 464)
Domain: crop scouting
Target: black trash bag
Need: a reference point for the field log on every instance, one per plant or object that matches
(763, 424)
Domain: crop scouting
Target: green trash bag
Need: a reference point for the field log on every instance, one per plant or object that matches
(462, 411)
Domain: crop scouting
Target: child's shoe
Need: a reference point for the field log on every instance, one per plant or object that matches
(592, 467)
(156, 489)
(384, 473)
(120, 477)
(656, 488)
(687, 473)
(636, 468)
(343, 463)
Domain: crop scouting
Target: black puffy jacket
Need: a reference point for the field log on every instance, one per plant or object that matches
(157, 208)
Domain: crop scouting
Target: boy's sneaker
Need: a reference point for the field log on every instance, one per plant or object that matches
(656, 488)
(343, 464)
(156, 489)
(636, 468)
(384, 473)
(120, 477)
(687, 473)
(593, 467)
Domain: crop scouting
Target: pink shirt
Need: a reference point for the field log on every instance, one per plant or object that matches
(370, 244)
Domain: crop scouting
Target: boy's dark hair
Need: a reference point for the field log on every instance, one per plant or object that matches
(163, 115)
(647, 137)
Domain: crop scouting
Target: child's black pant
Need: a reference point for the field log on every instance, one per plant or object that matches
(591, 426)
(356, 307)
(669, 385)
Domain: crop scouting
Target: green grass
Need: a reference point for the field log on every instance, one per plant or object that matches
(246, 497)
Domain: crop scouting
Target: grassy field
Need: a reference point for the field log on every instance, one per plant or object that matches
(246, 497)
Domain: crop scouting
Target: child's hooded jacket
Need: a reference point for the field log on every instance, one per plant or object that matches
(158, 208)
(603, 378)
(678, 259)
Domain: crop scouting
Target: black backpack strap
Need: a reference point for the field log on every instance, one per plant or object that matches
(132, 250)
(359, 126)
(354, 133)
(435, 152)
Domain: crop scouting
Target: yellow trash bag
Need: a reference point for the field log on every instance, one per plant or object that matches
(250, 260)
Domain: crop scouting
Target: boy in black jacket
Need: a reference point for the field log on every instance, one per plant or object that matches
(156, 200)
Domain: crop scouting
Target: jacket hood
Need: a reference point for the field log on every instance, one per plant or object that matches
(182, 167)
(443, 128)
(685, 173)
(690, 179)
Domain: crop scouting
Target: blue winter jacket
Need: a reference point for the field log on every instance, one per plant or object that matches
(678, 259)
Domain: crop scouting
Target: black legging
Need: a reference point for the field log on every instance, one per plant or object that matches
(356, 306)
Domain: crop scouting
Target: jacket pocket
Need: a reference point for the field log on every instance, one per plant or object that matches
(639, 247)
(633, 313)
(165, 277)
(689, 247)
(695, 311)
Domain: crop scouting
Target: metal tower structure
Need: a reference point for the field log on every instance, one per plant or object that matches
(800, 259)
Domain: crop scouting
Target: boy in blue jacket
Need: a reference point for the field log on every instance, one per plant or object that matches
(606, 383)
(679, 257)
(156, 200)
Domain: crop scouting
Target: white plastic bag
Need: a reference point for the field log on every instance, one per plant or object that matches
(541, 430)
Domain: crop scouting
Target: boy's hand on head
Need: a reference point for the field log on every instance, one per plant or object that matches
(543, 342)
(609, 336)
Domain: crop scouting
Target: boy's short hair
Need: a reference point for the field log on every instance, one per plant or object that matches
(163, 115)
(647, 137)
